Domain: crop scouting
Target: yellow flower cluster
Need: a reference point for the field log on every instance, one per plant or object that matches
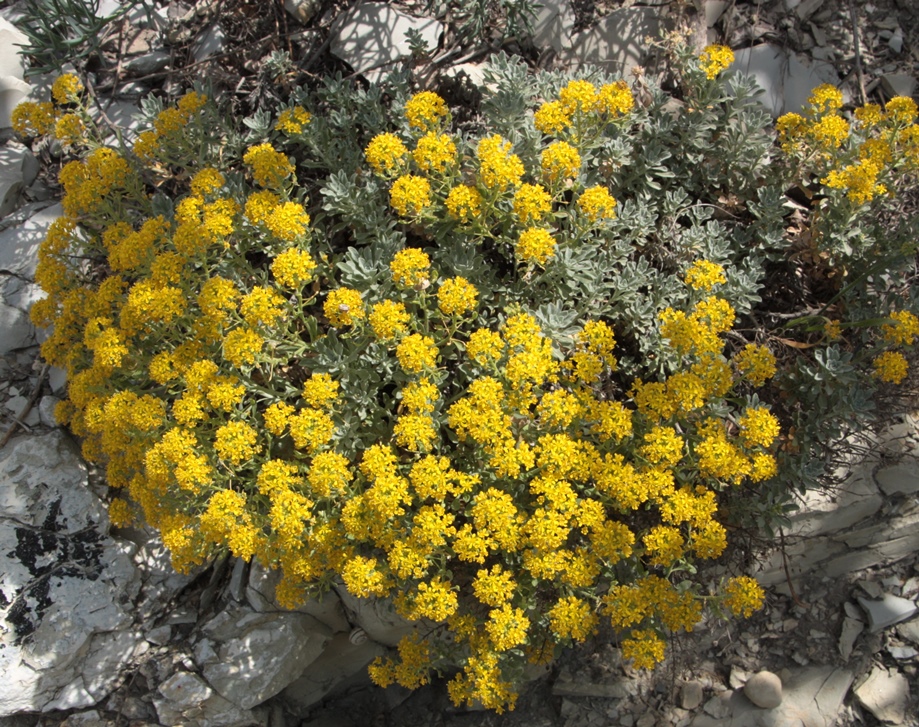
(581, 104)
(292, 121)
(270, 168)
(385, 153)
(425, 110)
(714, 59)
(410, 194)
(410, 268)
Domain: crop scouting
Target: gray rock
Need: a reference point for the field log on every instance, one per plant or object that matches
(899, 479)
(57, 379)
(898, 84)
(209, 42)
(92, 718)
(691, 695)
(713, 10)
(902, 652)
(160, 635)
(370, 37)
(827, 511)
(16, 331)
(185, 690)
(807, 8)
(851, 628)
(377, 617)
(787, 81)
(339, 662)
(303, 10)
(12, 66)
(19, 244)
(260, 594)
(13, 91)
(888, 611)
(909, 631)
(764, 689)
(617, 43)
(152, 62)
(896, 41)
(813, 696)
(261, 654)
(46, 407)
(885, 694)
(553, 25)
(63, 582)
(15, 406)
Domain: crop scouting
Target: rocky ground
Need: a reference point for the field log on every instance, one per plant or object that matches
(96, 629)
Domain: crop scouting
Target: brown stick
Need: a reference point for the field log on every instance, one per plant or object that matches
(858, 54)
(18, 421)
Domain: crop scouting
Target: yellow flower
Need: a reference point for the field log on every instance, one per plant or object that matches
(66, 89)
(535, 245)
(714, 59)
(572, 617)
(456, 296)
(241, 346)
(596, 203)
(33, 119)
(704, 275)
(389, 319)
(560, 161)
(292, 268)
(236, 442)
(664, 544)
(903, 331)
(552, 117)
(410, 194)
(531, 202)
(498, 168)
(287, 221)
(484, 347)
(825, 99)
(69, 129)
(425, 110)
(615, 99)
(507, 627)
(434, 152)
(743, 595)
(891, 367)
(831, 131)
(263, 305)
(385, 153)
(119, 513)
(416, 353)
(758, 427)
(270, 168)
(902, 109)
(343, 307)
(320, 391)
(464, 203)
(578, 97)
(494, 588)
(410, 268)
(206, 182)
(644, 647)
(363, 577)
(756, 363)
(291, 121)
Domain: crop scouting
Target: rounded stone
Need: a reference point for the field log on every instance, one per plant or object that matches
(764, 690)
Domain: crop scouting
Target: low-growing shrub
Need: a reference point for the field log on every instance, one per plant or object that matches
(515, 379)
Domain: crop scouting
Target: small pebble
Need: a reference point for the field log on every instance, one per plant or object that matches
(764, 689)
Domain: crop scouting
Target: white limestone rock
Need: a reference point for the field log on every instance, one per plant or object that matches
(19, 244)
(341, 661)
(617, 43)
(764, 689)
(260, 594)
(553, 25)
(13, 89)
(377, 616)
(786, 81)
(259, 654)
(16, 331)
(371, 37)
(885, 694)
(66, 586)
